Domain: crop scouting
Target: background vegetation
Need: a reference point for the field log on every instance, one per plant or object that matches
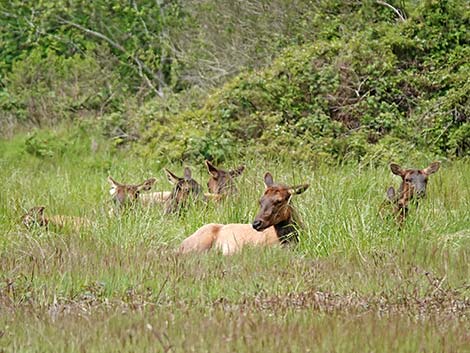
(315, 80)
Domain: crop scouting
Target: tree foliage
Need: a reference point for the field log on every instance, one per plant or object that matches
(323, 79)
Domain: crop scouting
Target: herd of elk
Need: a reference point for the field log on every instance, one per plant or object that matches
(275, 222)
(185, 189)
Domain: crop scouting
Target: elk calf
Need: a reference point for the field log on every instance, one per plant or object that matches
(184, 189)
(35, 216)
(128, 194)
(274, 224)
(413, 186)
(221, 181)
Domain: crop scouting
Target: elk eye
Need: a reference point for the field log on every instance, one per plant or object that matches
(408, 180)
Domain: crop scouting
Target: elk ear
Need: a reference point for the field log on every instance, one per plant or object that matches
(433, 167)
(296, 190)
(147, 184)
(237, 171)
(268, 180)
(171, 177)
(38, 210)
(391, 193)
(187, 174)
(396, 169)
(212, 169)
(113, 182)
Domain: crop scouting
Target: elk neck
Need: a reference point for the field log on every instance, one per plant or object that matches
(286, 230)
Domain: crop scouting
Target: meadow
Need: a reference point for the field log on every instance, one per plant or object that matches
(355, 282)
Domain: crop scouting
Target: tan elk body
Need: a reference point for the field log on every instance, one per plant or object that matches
(154, 198)
(36, 216)
(274, 224)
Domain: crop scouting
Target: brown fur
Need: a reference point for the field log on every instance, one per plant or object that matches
(184, 190)
(400, 202)
(413, 186)
(274, 224)
(35, 216)
(221, 182)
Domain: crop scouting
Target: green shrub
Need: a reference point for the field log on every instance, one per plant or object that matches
(382, 91)
(44, 88)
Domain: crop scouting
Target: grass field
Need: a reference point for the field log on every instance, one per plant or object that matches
(355, 282)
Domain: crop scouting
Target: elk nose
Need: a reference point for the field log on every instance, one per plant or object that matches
(257, 224)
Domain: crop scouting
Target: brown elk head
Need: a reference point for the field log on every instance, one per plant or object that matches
(184, 189)
(414, 180)
(35, 216)
(275, 205)
(127, 194)
(221, 181)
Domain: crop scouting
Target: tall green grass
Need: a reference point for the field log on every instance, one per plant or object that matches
(120, 286)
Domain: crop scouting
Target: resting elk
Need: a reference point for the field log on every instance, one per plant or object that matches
(221, 182)
(184, 190)
(413, 186)
(35, 216)
(274, 224)
(125, 195)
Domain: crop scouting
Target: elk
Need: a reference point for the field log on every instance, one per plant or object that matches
(184, 189)
(35, 216)
(127, 194)
(219, 177)
(221, 181)
(274, 224)
(413, 186)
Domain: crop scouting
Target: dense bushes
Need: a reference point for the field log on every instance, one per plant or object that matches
(45, 88)
(311, 80)
(381, 93)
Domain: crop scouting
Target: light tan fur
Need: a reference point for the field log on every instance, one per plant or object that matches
(228, 238)
(160, 197)
(35, 216)
(73, 222)
(213, 197)
(154, 198)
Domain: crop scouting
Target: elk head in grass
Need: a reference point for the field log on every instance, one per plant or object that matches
(127, 194)
(276, 209)
(184, 190)
(222, 181)
(35, 216)
(274, 224)
(412, 187)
